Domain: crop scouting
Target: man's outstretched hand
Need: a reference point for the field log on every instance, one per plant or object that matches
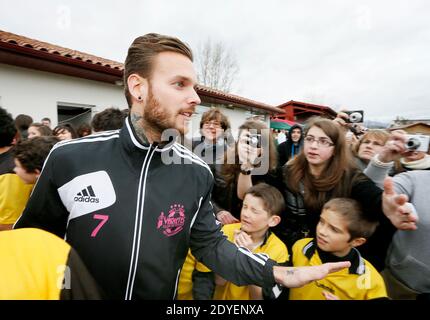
(294, 277)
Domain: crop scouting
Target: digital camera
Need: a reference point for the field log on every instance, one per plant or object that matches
(355, 116)
(255, 140)
(417, 142)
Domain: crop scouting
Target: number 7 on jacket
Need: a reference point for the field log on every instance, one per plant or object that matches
(104, 218)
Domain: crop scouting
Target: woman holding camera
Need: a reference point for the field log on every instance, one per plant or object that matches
(401, 153)
(253, 157)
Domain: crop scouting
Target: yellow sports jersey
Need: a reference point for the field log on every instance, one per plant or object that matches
(273, 247)
(360, 282)
(185, 285)
(36, 264)
(14, 194)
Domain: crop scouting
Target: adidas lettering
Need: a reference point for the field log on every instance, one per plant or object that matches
(87, 199)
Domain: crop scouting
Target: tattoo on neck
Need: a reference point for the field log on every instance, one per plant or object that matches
(137, 122)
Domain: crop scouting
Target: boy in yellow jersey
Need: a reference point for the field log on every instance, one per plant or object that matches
(37, 265)
(342, 227)
(14, 193)
(196, 281)
(261, 208)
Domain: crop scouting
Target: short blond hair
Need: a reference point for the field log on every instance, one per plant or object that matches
(142, 52)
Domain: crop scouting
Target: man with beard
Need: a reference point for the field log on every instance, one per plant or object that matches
(129, 214)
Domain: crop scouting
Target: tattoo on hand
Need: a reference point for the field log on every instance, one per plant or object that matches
(290, 272)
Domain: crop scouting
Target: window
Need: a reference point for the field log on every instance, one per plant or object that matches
(74, 113)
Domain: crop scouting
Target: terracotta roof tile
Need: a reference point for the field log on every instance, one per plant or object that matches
(237, 99)
(22, 41)
(28, 43)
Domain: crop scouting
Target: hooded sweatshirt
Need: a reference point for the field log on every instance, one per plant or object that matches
(288, 149)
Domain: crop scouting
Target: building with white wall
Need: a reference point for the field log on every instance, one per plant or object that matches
(44, 80)
(44, 94)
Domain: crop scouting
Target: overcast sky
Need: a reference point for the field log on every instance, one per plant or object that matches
(370, 55)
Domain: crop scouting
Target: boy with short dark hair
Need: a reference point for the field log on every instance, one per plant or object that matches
(108, 119)
(30, 155)
(261, 211)
(342, 228)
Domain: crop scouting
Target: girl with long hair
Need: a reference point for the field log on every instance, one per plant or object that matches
(322, 171)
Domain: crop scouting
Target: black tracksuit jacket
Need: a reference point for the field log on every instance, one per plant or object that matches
(131, 215)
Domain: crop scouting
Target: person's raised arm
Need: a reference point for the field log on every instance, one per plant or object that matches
(244, 182)
(380, 165)
(394, 148)
(247, 157)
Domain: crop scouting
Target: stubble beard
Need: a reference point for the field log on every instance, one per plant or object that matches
(156, 117)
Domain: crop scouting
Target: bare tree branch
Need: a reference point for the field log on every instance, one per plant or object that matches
(217, 67)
